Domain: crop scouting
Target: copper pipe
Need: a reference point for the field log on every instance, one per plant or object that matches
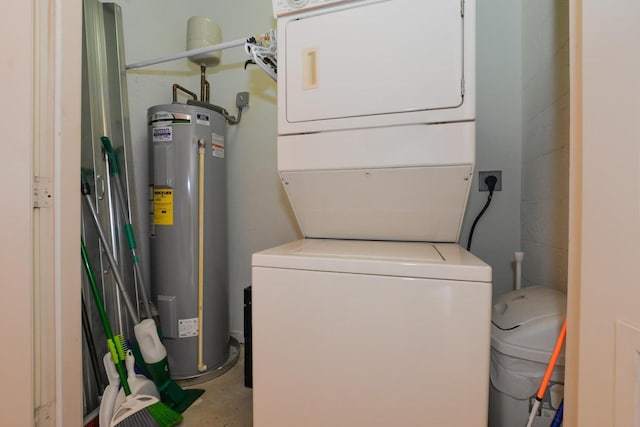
(175, 92)
(204, 84)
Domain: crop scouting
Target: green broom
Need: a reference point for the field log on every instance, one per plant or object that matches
(137, 410)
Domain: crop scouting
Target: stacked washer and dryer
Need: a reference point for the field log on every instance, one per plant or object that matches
(377, 317)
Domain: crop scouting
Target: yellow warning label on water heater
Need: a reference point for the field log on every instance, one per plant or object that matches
(163, 206)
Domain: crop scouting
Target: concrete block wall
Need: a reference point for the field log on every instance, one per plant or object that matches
(545, 142)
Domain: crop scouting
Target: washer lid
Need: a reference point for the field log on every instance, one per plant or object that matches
(408, 259)
(526, 323)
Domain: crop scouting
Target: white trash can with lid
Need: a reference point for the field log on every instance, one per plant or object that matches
(525, 325)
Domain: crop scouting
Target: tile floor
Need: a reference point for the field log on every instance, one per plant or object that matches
(225, 403)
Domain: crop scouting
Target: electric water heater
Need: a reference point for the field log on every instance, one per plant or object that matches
(189, 277)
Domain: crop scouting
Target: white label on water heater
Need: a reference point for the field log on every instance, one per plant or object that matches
(202, 119)
(162, 134)
(217, 145)
(187, 327)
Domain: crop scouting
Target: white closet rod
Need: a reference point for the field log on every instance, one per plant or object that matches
(188, 53)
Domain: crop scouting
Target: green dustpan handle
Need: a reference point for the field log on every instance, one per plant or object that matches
(103, 317)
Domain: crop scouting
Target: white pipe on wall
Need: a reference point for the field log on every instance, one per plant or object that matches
(519, 257)
(188, 53)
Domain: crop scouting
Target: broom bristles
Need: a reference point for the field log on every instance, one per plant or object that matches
(155, 415)
(139, 419)
(164, 415)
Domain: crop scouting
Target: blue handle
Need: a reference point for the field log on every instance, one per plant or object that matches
(557, 420)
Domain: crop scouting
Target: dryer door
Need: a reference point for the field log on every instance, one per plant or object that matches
(376, 58)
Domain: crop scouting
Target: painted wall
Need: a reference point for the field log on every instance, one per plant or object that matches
(545, 142)
(259, 215)
(498, 145)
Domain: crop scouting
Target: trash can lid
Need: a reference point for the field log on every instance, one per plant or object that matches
(526, 323)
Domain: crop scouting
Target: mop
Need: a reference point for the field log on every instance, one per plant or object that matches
(547, 374)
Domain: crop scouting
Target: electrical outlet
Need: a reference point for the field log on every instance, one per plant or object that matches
(482, 186)
(242, 99)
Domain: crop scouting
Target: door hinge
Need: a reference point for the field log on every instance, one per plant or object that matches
(42, 192)
(462, 8)
(462, 87)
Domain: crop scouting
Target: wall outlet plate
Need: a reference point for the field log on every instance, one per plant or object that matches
(482, 175)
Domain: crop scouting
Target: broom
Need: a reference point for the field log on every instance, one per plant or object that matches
(139, 410)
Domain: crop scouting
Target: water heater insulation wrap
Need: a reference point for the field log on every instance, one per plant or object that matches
(174, 132)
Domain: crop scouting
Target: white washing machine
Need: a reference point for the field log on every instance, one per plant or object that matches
(358, 333)
(376, 144)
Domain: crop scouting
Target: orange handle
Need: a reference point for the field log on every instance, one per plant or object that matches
(552, 361)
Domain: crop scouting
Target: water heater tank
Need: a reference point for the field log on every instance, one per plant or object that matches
(175, 133)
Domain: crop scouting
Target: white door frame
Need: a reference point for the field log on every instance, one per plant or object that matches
(603, 336)
(42, 135)
(39, 263)
(66, 122)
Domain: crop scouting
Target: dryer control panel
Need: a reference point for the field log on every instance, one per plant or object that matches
(286, 7)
